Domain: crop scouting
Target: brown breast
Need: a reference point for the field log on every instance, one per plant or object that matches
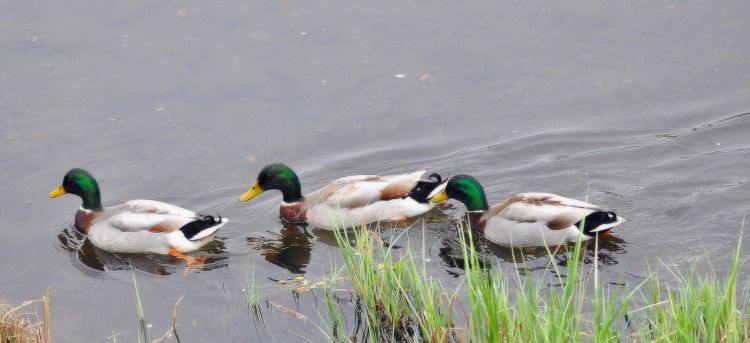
(84, 220)
(476, 222)
(295, 213)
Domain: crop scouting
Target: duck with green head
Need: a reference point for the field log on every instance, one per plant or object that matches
(136, 226)
(527, 219)
(348, 201)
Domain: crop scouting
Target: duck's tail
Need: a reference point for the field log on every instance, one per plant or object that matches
(424, 187)
(600, 222)
(202, 227)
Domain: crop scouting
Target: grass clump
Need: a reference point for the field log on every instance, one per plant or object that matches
(252, 294)
(697, 308)
(142, 328)
(399, 301)
(19, 326)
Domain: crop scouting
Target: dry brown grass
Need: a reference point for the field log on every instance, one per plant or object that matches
(22, 323)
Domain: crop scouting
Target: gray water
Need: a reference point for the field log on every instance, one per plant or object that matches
(640, 105)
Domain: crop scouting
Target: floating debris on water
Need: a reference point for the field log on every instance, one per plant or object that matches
(292, 312)
(301, 284)
(400, 76)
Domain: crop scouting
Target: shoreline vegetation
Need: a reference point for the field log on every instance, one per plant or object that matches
(399, 301)
(23, 324)
(393, 298)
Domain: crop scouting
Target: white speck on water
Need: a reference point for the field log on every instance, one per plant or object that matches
(323, 81)
(124, 45)
(303, 33)
(515, 131)
(28, 202)
(112, 119)
(324, 29)
(427, 260)
(717, 143)
(160, 109)
(400, 76)
(149, 326)
(243, 289)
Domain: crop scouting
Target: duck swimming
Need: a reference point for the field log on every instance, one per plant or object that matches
(136, 226)
(527, 219)
(350, 201)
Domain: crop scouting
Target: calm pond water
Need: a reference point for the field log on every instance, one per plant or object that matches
(644, 104)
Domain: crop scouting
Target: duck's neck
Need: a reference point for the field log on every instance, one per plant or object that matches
(292, 192)
(93, 203)
(290, 187)
(91, 198)
(476, 202)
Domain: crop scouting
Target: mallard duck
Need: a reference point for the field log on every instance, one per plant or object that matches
(526, 219)
(351, 200)
(136, 226)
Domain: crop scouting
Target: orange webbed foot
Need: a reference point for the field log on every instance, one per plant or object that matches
(402, 222)
(192, 262)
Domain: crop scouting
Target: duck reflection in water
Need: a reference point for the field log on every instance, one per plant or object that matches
(527, 259)
(93, 261)
(290, 248)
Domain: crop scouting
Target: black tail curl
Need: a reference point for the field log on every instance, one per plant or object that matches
(437, 178)
(422, 189)
(596, 219)
(202, 222)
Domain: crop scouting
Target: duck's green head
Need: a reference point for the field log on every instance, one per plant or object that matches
(276, 176)
(80, 182)
(465, 189)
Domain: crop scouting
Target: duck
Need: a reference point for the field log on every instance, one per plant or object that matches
(137, 226)
(347, 201)
(527, 219)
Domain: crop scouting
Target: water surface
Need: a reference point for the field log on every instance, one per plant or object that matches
(640, 105)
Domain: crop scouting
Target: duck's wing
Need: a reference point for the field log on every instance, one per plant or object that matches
(153, 206)
(556, 212)
(154, 216)
(361, 190)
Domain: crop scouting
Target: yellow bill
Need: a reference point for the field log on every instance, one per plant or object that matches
(440, 197)
(57, 192)
(252, 192)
